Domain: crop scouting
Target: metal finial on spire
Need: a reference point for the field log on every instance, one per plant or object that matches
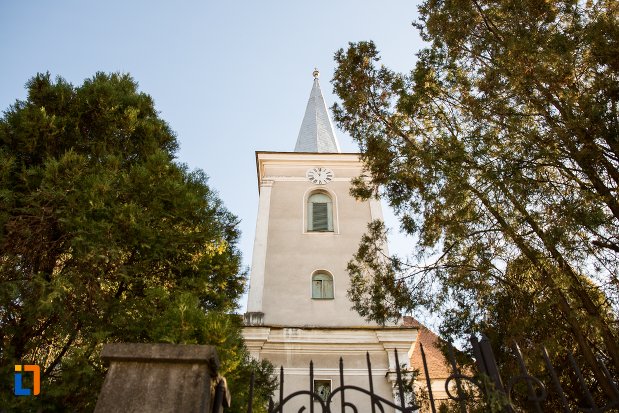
(316, 73)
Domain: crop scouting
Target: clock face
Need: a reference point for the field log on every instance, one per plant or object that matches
(320, 175)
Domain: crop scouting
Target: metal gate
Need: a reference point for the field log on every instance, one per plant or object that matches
(463, 388)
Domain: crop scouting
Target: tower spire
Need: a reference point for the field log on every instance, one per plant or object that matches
(317, 133)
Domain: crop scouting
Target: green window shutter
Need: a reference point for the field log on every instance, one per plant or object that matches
(329, 216)
(327, 289)
(320, 217)
(316, 289)
(322, 286)
(319, 213)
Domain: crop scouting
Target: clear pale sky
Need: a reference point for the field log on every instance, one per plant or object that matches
(229, 77)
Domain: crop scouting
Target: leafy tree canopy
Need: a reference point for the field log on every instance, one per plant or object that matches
(104, 238)
(499, 152)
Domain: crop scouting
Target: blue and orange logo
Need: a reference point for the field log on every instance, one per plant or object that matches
(36, 380)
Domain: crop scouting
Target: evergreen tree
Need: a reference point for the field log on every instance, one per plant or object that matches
(105, 238)
(499, 152)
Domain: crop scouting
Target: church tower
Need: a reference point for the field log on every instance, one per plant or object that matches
(308, 228)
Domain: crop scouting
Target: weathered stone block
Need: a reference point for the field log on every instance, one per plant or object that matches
(158, 378)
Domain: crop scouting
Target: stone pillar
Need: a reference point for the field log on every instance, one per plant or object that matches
(256, 278)
(159, 378)
(402, 340)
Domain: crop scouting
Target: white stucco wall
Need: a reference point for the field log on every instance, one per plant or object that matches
(292, 254)
(291, 328)
(294, 348)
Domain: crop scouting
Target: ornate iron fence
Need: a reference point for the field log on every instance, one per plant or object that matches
(469, 388)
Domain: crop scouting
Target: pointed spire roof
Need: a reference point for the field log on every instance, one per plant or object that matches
(317, 134)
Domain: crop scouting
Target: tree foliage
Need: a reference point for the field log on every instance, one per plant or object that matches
(499, 152)
(105, 238)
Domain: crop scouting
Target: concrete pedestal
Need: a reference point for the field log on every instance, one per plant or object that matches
(158, 378)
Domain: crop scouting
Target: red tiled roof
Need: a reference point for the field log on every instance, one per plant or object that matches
(438, 367)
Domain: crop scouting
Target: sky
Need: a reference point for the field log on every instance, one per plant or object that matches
(230, 77)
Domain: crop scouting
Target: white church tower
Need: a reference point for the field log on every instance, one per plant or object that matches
(307, 230)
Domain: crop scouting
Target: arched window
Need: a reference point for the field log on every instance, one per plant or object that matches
(322, 285)
(319, 212)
